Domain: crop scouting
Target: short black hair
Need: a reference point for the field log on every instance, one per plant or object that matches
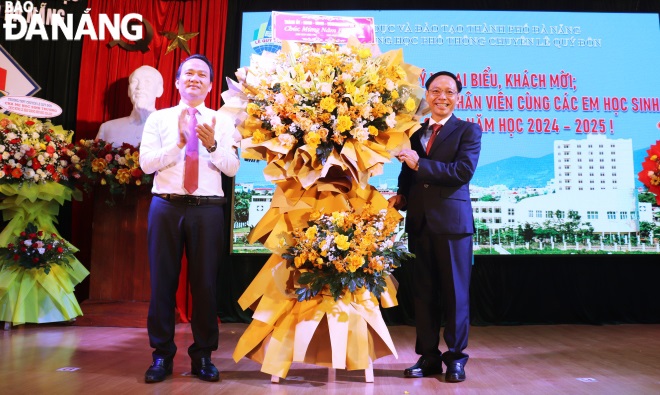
(196, 56)
(459, 86)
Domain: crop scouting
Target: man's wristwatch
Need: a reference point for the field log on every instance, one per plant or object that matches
(213, 147)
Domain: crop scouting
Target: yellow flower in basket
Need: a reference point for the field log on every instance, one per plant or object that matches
(337, 106)
(346, 251)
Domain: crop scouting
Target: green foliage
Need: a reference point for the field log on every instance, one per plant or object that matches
(647, 197)
(242, 206)
(315, 281)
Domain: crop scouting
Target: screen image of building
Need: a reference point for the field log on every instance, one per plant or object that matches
(593, 177)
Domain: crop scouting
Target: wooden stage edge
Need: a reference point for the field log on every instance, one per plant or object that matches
(113, 313)
(542, 359)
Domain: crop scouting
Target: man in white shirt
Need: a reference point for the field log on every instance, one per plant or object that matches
(145, 85)
(187, 148)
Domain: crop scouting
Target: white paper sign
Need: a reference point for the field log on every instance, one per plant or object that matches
(30, 106)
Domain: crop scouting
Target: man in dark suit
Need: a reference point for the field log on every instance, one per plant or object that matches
(434, 189)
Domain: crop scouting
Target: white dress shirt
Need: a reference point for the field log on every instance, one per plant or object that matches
(160, 153)
(424, 139)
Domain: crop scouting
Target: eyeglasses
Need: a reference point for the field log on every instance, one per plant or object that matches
(438, 92)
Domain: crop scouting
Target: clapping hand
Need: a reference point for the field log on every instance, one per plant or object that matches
(205, 132)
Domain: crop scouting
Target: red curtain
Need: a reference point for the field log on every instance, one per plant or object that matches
(103, 90)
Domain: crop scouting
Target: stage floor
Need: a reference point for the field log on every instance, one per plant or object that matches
(548, 359)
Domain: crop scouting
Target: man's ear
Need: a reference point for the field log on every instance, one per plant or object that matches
(159, 92)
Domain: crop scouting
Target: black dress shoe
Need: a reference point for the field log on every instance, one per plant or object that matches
(205, 370)
(424, 367)
(159, 369)
(455, 373)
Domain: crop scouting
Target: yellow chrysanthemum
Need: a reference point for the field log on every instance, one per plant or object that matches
(258, 137)
(394, 94)
(373, 130)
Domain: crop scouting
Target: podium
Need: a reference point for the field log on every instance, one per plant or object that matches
(119, 290)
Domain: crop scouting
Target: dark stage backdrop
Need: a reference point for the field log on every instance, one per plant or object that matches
(511, 290)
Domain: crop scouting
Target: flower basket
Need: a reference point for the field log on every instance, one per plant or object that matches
(34, 182)
(325, 118)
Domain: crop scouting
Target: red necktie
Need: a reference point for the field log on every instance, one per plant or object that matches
(191, 166)
(435, 129)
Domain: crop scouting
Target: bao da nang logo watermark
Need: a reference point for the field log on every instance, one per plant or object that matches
(25, 21)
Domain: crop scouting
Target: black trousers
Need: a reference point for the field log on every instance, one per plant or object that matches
(175, 227)
(441, 276)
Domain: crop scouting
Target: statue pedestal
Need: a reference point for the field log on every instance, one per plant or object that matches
(119, 290)
(120, 262)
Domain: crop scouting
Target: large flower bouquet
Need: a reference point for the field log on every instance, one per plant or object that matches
(312, 107)
(33, 250)
(346, 250)
(98, 162)
(650, 174)
(325, 118)
(33, 151)
(35, 180)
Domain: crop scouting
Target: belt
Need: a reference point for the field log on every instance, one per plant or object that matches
(192, 200)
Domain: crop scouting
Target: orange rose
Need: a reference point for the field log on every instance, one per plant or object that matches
(99, 165)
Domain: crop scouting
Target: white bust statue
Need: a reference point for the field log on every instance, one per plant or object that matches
(145, 84)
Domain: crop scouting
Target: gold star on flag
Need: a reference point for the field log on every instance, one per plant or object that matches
(179, 39)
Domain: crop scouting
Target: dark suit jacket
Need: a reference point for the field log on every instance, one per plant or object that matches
(439, 192)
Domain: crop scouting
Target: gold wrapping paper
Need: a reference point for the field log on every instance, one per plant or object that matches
(284, 330)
